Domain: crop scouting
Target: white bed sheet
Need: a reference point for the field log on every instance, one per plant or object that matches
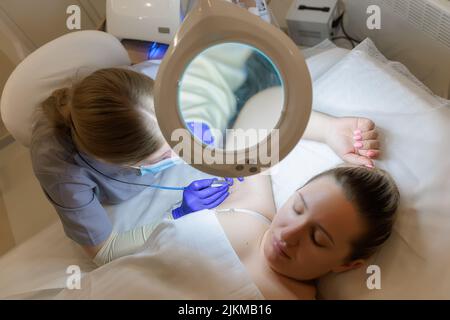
(188, 259)
(37, 268)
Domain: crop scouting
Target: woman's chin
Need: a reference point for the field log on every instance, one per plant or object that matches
(277, 263)
(273, 259)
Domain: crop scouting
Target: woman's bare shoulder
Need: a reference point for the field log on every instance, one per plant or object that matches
(255, 194)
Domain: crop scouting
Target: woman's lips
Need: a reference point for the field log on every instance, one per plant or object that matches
(280, 248)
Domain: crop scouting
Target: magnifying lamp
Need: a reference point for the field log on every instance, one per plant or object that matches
(233, 94)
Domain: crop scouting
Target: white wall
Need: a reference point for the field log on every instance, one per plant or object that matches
(280, 9)
(6, 67)
(7, 240)
(427, 59)
(26, 25)
(24, 209)
(44, 20)
(398, 40)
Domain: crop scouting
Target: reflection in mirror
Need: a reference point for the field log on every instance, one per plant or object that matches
(231, 96)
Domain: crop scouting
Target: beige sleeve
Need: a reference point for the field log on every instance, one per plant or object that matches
(123, 244)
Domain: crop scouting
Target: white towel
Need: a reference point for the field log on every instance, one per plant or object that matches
(189, 258)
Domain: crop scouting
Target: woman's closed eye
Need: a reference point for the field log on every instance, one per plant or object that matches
(296, 210)
(314, 240)
(299, 204)
(321, 237)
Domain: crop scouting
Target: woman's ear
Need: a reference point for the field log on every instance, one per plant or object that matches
(355, 264)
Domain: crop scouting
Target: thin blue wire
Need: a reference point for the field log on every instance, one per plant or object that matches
(130, 183)
(168, 188)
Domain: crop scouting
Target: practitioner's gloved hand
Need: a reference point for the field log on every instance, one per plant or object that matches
(202, 131)
(200, 195)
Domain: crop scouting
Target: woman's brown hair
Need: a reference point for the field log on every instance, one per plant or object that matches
(376, 197)
(109, 115)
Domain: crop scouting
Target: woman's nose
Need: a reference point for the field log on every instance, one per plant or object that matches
(292, 233)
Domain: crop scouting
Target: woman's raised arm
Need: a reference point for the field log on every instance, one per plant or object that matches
(354, 139)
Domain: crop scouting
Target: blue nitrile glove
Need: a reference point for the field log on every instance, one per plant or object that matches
(199, 195)
(201, 131)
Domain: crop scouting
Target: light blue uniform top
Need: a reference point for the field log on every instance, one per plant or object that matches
(79, 192)
(75, 189)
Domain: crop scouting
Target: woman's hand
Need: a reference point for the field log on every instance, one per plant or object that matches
(355, 140)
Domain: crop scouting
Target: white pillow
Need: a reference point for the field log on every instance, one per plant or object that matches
(415, 126)
(322, 57)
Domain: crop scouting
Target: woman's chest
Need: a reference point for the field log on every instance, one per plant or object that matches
(244, 231)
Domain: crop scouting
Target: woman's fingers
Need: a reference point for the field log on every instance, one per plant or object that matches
(373, 154)
(368, 135)
(365, 124)
(358, 160)
(367, 145)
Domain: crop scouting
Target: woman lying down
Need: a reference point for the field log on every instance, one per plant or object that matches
(331, 224)
(247, 249)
